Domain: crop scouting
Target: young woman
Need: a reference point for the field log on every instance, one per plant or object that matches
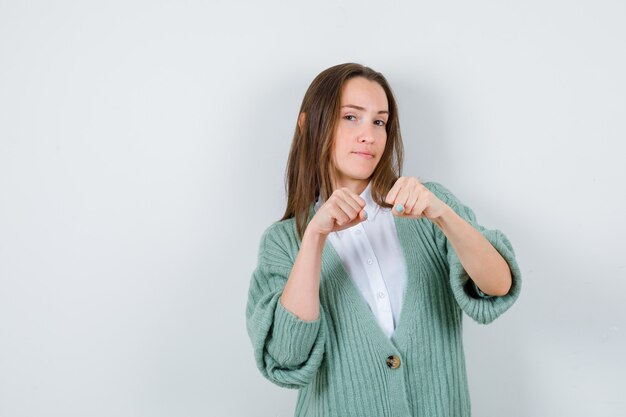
(358, 295)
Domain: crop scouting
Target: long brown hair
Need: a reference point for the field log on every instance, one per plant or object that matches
(310, 157)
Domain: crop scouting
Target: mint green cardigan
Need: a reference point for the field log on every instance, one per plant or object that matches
(339, 362)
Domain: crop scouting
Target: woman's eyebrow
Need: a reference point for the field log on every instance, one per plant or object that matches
(363, 109)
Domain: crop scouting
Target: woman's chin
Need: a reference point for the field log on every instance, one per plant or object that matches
(361, 176)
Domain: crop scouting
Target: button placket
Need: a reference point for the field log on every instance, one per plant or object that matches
(377, 284)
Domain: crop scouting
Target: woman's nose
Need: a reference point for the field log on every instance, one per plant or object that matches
(366, 134)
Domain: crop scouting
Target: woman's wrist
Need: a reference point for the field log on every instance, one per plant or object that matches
(443, 221)
(314, 236)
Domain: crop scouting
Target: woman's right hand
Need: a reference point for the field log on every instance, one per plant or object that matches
(342, 210)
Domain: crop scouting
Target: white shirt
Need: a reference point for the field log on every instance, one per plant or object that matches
(373, 257)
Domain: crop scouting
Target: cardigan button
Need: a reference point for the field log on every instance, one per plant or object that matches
(393, 362)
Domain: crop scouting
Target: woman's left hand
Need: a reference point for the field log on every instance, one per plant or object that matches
(413, 200)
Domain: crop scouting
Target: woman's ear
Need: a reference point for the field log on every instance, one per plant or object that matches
(301, 120)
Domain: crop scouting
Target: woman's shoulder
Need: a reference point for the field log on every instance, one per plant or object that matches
(280, 238)
(448, 197)
(280, 227)
(439, 190)
(436, 188)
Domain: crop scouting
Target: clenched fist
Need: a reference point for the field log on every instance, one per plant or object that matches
(342, 210)
(410, 198)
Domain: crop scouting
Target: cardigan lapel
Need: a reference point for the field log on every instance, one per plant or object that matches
(410, 241)
(333, 266)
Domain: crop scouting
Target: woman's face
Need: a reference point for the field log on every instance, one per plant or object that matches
(360, 135)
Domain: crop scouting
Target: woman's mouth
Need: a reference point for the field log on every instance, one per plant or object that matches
(364, 155)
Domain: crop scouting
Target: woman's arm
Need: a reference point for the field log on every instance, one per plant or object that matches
(479, 258)
(482, 262)
(288, 351)
(301, 294)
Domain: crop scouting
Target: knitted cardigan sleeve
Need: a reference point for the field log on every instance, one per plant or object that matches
(481, 307)
(288, 351)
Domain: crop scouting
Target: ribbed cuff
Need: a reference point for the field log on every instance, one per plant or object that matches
(485, 309)
(292, 338)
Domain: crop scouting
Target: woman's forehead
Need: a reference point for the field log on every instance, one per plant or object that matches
(365, 94)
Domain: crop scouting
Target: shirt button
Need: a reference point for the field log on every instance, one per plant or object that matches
(369, 261)
(381, 294)
(393, 362)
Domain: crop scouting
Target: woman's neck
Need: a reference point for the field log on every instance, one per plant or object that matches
(356, 186)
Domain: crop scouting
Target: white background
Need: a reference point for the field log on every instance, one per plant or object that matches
(142, 153)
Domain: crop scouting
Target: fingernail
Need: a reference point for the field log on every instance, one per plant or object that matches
(365, 214)
(399, 208)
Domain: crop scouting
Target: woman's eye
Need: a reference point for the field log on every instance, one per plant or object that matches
(349, 117)
(380, 122)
